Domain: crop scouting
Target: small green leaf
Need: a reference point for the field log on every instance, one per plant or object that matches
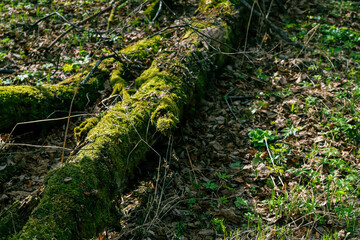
(68, 67)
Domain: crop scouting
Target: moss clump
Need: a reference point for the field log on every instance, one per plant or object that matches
(167, 115)
(144, 48)
(81, 131)
(207, 4)
(111, 18)
(26, 103)
(152, 72)
(116, 79)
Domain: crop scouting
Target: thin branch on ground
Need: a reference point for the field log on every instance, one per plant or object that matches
(88, 76)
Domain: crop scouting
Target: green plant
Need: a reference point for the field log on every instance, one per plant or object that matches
(241, 202)
(261, 75)
(290, 131)
(25, 76)
(222, 200)
(219, 224)
(191, 202)
(2, 55)
(68, 67)
(258, 137)
(222, 176)
(181, 228)
(331, 151)
(236, 164)
(210, 185)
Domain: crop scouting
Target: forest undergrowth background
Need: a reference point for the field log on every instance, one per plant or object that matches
(271, 152)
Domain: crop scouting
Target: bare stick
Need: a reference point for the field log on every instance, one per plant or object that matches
(37, 146)
(159, 10)
(39, 121)
(6, 70)
(68, 122)
(95, 67)
(166, 28)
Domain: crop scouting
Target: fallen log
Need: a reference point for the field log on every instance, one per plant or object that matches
(77, 200)
(27, 103)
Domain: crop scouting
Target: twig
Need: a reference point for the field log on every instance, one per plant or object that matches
(314, 29)
(68, 122)
(49, 15)
(226, 97)
(103, 57)
(39, 121)
(272, 160)
(6, 70)
(43, 18)
(248, 27)
(267, 148)
(191, 165)
(166, 28)
(268, 13)
(37, 146)
(227, 103)
(158, 11)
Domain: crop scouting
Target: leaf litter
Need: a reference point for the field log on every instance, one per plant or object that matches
(217, 182)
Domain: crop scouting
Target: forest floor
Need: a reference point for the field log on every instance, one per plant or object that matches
(270, 153)
(272, 150)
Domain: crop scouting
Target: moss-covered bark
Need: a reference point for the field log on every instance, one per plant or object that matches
(77, 198)
(27, 103)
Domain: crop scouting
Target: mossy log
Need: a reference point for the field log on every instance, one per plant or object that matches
(27, 103)
(77, 200)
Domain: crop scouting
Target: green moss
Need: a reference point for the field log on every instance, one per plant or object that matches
(166, 116)
(116, 79)
(152, 72)
(144, 47)
(26, 103)
(81, 131)
(111, 18)
(207, 4)
(13, 219)
(77, 199)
